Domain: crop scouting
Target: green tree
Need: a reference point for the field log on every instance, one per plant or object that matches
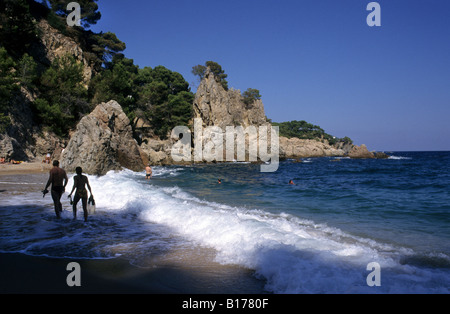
(89, 10)
(216, 69)
(176, 111)
(165, 97)
(8, 86)
(117, 83)
(18, 29)
(199, 70)
(64, 96)
(27, 73)
(218, 72)
(300, 129)
(250, 96)
(106, 46)
(305, 130)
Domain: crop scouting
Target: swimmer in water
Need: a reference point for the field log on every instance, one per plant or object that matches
(148, 172)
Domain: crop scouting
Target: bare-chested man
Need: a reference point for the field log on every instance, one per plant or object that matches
(58, 179)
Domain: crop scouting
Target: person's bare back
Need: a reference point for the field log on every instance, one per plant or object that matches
(58, 180)
(57, 177)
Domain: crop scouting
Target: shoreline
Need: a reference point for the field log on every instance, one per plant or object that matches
(32, 167)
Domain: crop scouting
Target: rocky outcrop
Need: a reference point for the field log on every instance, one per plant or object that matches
(381, 155)
(218, 107)
(103, 141)
(23, 139)
(299, 148)
(56, 45)
(158, 151)
(360, 152)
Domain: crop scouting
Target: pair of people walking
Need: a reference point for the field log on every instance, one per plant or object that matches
(58, 180)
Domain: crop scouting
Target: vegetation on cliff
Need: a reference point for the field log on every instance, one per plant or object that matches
(308, 131)
(62, 96)
(200, 70)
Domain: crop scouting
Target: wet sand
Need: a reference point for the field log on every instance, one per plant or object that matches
(23, 274)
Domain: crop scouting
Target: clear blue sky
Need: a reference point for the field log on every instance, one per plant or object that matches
(316, 60)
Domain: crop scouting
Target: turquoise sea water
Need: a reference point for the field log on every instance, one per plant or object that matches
(316, 236)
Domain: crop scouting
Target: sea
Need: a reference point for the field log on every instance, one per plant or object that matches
(370, 226)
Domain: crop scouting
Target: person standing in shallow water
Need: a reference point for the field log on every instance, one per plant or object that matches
(58, 180)
(148, 172)
(79, 183)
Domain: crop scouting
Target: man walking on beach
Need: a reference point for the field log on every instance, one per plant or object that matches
(58, 179)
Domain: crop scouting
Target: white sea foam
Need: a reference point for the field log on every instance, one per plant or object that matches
(399, 158)
(294, 255)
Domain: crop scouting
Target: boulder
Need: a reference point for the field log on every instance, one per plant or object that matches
(158, 151)
(360, 152)
(103, 141)
(381, 155)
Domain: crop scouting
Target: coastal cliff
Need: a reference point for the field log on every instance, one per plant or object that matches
(24, 138)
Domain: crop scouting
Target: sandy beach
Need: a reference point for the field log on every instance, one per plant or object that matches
(24, 168)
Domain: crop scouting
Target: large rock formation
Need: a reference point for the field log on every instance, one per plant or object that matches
(218, 107)
(103, 141)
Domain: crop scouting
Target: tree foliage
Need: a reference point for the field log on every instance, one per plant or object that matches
(305, 130)
(106, 46)
(199, 70)
(159, 95)
(18, 29)
(250, 96)
(165, 97)
(216, 69)
(64, 97)
(116, 82)
(7, 86)
(89, 10)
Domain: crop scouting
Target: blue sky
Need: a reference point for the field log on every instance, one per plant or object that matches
(316, 60)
